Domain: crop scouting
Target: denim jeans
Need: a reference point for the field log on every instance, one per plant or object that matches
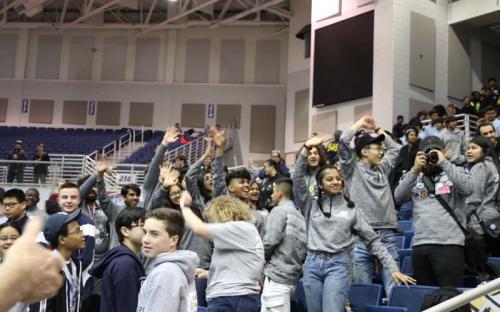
(363, 261)
(327, 281)
(247, 303)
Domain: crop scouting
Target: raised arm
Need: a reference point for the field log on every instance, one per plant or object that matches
(194, 171)
(218, 163)
(107, 205)
(192, 221)
(151, 178)
(346, 154)
(402, 193)
(87, 186)
(391, 154)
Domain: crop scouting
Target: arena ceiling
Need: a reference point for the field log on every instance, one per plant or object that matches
(143, 15)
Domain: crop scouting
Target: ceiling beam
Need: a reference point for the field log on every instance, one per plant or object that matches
(179, 16)
(10, 5)
(151, 9)
(63, 13)
(98, 10)
(32, 25)
(277, 11)
(224, 9)
(236, 17)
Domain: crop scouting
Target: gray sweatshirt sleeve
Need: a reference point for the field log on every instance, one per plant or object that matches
(372, 241)
(479, 177)
(402, 193)
(276, 222)
(191, 180)
(107, 205)
(219, 182)
(346, 154)
(151, 178)
(463, 145)
(300, 190)
(391, 155)
(157, 199)
(461, 180)
(87, 186)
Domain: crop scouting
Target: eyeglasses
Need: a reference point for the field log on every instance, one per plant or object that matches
(76, 231)
(176, 193)
(208, 177)
(6, 238)
(379, 148)
(10, 205)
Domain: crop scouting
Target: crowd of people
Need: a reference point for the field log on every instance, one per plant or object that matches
(252, 234)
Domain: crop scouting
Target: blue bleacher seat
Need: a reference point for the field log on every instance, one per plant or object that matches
(409, 297)
(385, 309)
(403, 253)
(201, 287)
(400, 241)
(494, 261)
(471, 281)
(408, 239)
(407, 266)
(361, 295)
(406, 225)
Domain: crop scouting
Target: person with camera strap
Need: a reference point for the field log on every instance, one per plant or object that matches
(438, 190)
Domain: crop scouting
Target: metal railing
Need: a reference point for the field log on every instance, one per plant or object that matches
(466, 297)
(465, 122)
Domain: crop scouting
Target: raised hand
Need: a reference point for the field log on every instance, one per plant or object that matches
(170, 136)
(164, 169)
(365, 122)
(171, 178)
(317, 139)
(219, 137)
(101, 164)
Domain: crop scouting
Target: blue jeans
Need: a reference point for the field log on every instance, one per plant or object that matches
(363, 261)
(247, 303)
(327, 281)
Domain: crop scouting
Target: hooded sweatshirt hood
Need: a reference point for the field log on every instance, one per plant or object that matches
(185, 259)
(101, 265)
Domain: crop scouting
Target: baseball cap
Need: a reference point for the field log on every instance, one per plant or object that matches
(431, 142)
(55, 223)
(365, 139)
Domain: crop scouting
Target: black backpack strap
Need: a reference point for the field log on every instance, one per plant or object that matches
(429, 184)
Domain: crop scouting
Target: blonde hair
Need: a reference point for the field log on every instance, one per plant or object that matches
(227, 208)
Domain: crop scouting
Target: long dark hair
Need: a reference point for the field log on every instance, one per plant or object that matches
(319, 177)
(488, 150)
(206, 194)
(323, 159)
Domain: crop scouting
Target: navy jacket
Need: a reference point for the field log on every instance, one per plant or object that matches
(121, 272)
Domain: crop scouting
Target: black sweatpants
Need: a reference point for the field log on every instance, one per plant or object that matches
(439, 265)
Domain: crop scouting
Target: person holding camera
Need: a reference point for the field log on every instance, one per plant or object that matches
(437, 189)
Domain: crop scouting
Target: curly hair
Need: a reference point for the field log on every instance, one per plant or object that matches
(227, 208)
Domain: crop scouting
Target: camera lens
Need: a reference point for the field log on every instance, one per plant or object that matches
(432, 157)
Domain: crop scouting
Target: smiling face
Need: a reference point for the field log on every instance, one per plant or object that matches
(488, 132)
(156, 239)
(8, 236)
(32, 197)
(69, 199)
(131, 199)
(373, 153)
(175, 194)
(313, 158)
(239, 188)
(331, 181)
(254, 193)
(208, 181)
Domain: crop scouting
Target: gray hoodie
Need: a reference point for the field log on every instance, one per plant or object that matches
(337, 233)
(151, 179)
(369, 186)
(454, 144)
(285, 243)
(482, 201)
(433, 224)
(170, 286)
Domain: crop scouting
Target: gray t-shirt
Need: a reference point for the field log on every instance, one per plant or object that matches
(237, 260)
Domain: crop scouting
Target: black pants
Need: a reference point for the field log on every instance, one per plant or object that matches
(439, 265)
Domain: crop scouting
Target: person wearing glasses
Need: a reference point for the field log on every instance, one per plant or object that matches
(276, 156)
(333, 221)
(64, 236)
(366, 170)
(120, 269)
(14, 206)
(9, 232)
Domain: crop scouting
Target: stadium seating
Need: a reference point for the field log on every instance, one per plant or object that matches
(57, 140)
(409, 297)
(361, 295)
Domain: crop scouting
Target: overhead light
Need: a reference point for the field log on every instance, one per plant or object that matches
(30, 8)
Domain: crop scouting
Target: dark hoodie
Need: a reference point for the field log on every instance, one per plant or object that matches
(121, 272)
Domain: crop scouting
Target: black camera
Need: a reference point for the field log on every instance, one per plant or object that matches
(432, 157)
